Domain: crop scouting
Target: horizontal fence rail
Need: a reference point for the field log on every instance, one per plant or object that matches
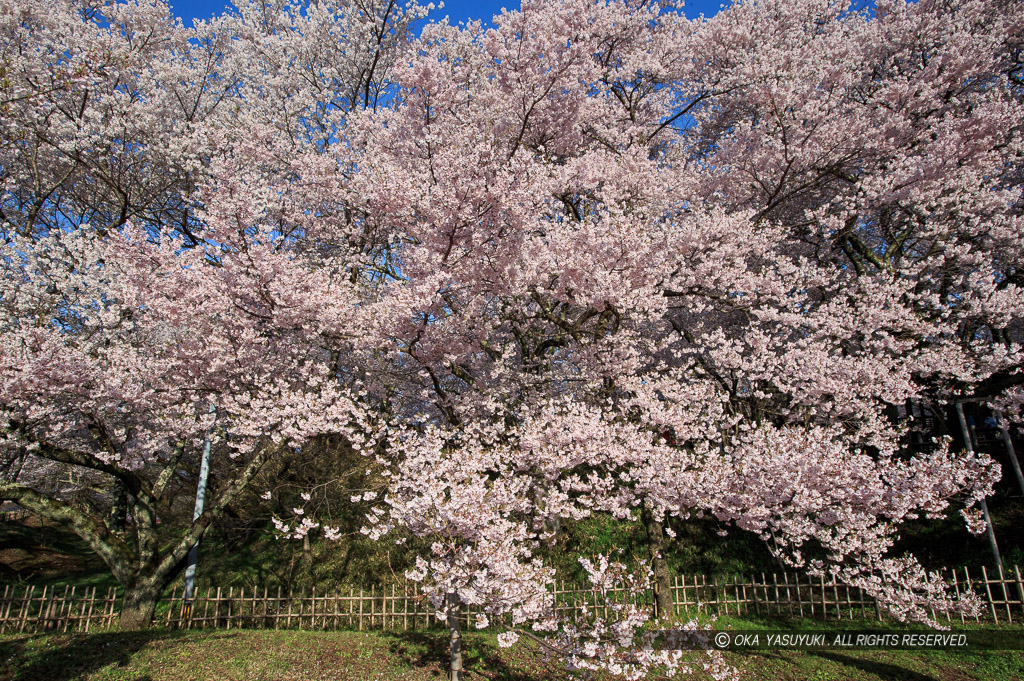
(404, 607)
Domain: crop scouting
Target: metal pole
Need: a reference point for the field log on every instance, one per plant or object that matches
(193, 554)
(984, 505)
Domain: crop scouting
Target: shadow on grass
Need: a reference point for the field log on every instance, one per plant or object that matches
(51, 657)
(428, 650)
(881, 670)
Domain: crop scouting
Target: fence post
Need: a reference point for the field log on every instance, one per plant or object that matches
(988, 593)
(1006, 594)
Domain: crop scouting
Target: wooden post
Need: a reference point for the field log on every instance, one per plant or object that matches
(970, 585)
(788, 598)
(5, 608)
(70, 607)
(26, 603)
(1008, 441)
(1006, 594)
(1020, 587)
(110, 608)
(988, 593)
(824, 598)
(41, 615)
(778, 600)
(277, 608)
(291, 599)
(956, 587)
(170, 611)
(88, 616)
(969, 445)
(216, 610)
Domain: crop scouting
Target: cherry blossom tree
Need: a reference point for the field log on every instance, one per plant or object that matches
(169, 275)
(757, 233)
(596, 259)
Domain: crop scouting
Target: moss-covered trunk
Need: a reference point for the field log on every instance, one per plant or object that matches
(663, 605)
(140, 600)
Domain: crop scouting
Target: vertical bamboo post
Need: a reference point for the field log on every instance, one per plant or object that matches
(824, 598)
(26, 604)
(291, 600)
(778, 596)
(988, 593)
(788, 598)
(1020, 587)
(969, 584)
(88, 616)
(112, 610)
(1003, 581)
(70, 608)
(5, 607)
(956, 588)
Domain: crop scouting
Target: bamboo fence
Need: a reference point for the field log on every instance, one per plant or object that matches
(402, 606)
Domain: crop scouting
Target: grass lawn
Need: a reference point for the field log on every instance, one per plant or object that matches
(162, 655)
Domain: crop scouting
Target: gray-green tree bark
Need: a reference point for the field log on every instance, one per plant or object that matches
(655, 526)
(141, 562)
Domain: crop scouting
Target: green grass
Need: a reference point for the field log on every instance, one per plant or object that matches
(343, 656)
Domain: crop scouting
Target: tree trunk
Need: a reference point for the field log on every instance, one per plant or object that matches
(119, 509)
(139, 603)
(663, 606)
(133, 556)
(307, 552)
(455, 636)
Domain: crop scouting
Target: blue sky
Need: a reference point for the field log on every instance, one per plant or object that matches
(457, 10)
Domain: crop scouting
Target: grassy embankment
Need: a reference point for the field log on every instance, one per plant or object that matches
(162, 655)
